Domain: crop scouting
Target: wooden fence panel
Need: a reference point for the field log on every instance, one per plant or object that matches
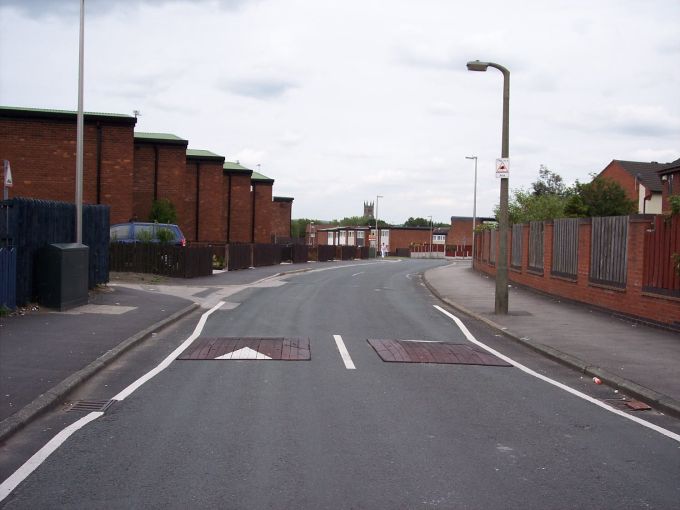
(266, 255)
(609, 251)
(239, 256)
(516, 247)
(660, 274)
(536, 236)
(565, 248)
(161, 259)
(325, 252)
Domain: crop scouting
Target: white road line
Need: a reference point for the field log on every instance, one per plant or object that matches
(51, 446)
(39, 457)
(588, 398)
(349, 364)
(357, 274)
(167, 361)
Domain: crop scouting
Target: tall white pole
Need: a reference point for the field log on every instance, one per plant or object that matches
(80, 130)
(474, 210)
(377, 237)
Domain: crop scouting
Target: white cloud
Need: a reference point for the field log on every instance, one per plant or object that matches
(342, 101)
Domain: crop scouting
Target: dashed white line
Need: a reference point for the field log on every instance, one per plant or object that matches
(588, 398)
(357, 274)
(344, 354)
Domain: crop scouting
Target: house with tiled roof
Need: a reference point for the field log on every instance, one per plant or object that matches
(640, 180)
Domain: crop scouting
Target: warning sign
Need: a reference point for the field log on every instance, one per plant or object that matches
(503, 168)
(7, 174)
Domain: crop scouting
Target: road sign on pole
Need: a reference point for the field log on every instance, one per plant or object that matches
(502, 168)
(7, 179)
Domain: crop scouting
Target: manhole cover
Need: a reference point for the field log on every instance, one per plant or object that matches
(288, 349)
(419, 351)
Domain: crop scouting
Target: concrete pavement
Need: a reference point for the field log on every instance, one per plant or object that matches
(642, 361)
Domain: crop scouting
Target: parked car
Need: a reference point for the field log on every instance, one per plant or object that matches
(142, 232)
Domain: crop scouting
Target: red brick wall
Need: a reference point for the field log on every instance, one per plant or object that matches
(42, 153)
(403, 238)
(187, 220)
(631, 300)
(212, 224)
(281, 216)
(240, 209)
(142, 190)
(460, 232)
(263, 212)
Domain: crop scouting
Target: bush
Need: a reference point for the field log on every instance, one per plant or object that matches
(144, 236)
(163, 211)
(164, 235)
(674, 200)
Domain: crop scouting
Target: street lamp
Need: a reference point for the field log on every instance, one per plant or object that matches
(377, 237)
(430, 236)
(80, 128)
(501, 307)
(474, 210)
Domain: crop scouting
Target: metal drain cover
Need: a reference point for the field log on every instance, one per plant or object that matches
(90, 406)
(287, 349)
(421, 351)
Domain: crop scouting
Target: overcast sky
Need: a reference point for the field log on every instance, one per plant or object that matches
(340, 101)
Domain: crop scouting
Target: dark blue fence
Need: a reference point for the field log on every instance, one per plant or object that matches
(28, 225)
(8, 280)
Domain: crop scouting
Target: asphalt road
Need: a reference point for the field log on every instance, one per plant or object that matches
(314, 434)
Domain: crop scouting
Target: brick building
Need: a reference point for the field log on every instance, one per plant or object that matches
(204, 207)
(281, 217)
(239, 202)
(641, 181)
(159, 173)
(216, 201)
(41, 147)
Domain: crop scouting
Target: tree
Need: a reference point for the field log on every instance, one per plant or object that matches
(549, 183)
(546, 200)
(298, 226)
(417, 222)
(163, 211)
(600, 197)
(358, 221)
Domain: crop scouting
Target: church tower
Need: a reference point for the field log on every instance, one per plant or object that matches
(369, 210)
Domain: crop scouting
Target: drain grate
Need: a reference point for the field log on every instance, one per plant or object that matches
(90, 406)
(627, 404)
(286, 349)
(421, 351)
